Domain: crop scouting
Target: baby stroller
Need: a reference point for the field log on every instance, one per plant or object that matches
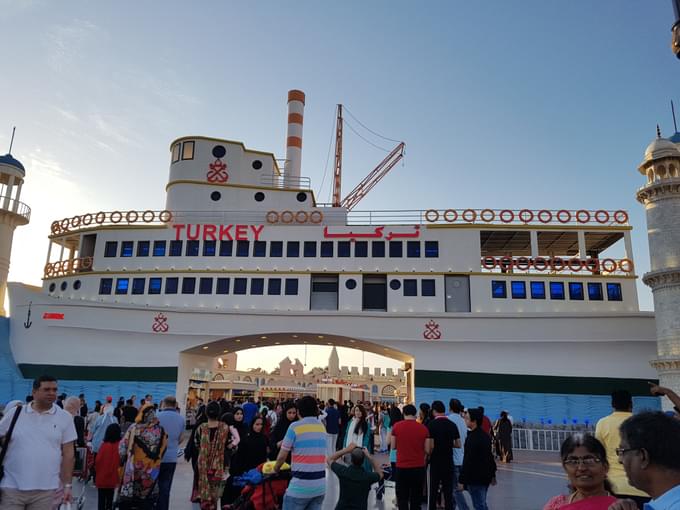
(387, 477)
(81, 471)
(263, 489)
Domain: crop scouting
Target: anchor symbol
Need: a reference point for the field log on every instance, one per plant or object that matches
(28, 323)
(432, 331)
(218, 171)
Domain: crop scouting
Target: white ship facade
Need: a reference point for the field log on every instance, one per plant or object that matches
(532, 310)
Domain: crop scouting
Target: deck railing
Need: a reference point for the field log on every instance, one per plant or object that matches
(544, 440)
(12, 205)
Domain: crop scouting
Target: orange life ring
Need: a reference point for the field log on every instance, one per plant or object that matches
(448, 218)
(429, 218)
(118, 219)
(489, 263)
(503, 213)
(283, 218)
(272, 217)
(55, 227)
(612, 265)
(87, 219)
(128, 216)
(488, 220)
(75, 221)
(629, 265)
(523, 263)
(165, 216)
(592, 265)
(621, 217)
(146, 218)
(559, 216)
(319, 215)
(100, 217)
(64, 224)
(527, 211)
(86, 262)
(541, 216)
(553, 264)
(48, 269)
(579, 213)
(542, 262)
(465, 216)
(65, 266)
(305, 217)
(505, 263)
(599, 219)
(575, 264)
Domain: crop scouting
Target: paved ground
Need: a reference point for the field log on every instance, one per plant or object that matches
(526, 484)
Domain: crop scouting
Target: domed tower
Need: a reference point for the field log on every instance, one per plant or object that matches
(661, 198)
(12, 214)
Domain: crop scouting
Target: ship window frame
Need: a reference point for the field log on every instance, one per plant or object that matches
(309, 249)
(193, 248)
(499, 289)
(557, 295)
(293, 249)
(209, 248)
(185, 150)
(574, 293)
(104, 285)
(278, 252)
(410, 286)
(222, 286)
(257, 286)
(326, 249)
(378, 249)
(396, 249)
(595, 291)
(138, 286)
(159, 248)
(291, 286)
(614, 291)
(428, 287)
(176, 150)
(242, 248)
(413, 249)
(351, 284)
(152, 285)
(176, 246)
(240, 286)
(518, 289)
(361, 249)
(205, 285)
(226, 248)
(344, 249)
(395, 284)
(535, 292)
(274, 286)
(171, 285)
(122, 290)
(259, 248)
(110, 249)
(143, 248)
(127, 249)
(431, 249)
(189, 285)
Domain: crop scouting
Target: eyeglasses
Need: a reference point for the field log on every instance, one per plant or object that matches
(588, 461)
(621, 451)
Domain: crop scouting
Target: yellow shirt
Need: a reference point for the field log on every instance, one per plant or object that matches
(607, 432)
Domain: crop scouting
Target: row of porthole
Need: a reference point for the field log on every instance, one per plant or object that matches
(215, 196)
(219, 151)
(64, 286)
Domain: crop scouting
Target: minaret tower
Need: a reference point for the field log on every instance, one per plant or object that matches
(12, 214)
(334, 363)
(661, 198)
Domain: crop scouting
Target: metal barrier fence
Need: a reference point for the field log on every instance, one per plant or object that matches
(544, 440)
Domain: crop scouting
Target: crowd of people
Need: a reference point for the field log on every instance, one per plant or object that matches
(436, 453)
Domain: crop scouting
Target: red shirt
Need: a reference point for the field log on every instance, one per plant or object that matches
(106, 466)
(486, 425)
(410, 439)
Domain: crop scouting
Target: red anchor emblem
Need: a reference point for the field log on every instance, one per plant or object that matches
(160, 323)
(218, 171)
(432, 331)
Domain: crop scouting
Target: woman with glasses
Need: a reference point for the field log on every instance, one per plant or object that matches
(585, 461)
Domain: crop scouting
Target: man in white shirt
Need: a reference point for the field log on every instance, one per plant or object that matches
(455, 408)
(40, 453)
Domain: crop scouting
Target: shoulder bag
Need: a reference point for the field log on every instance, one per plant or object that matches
(5, 443)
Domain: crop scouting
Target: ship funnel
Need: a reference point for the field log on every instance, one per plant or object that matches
(296, 108)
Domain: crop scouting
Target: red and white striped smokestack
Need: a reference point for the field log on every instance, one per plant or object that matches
(296, 109)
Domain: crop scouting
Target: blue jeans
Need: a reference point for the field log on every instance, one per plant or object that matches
(291, 503)
(165, 484)
(458, 496)
(478, 494)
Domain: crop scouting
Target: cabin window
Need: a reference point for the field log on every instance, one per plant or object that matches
(171, 285)
(143, 248)
(63, 285)
(274, 287)
(242, 248)
(259, 196)
(310, 249)
(395, 284)
(291, 286)
(122, 285)
(293, 249)
(396, 249)
(427, 287)
(205, 286)
(410, 287)
(595, 292)
(159, 248)
(614, 292)
(413, 249)
(240, 285)
(188, 285)
(556, 290)
(499, 289)
(53, 287)
(76, 285)
(155, 285)
(215, 196)
(324, 294)
(175, 152)
(537, 290)
(259, 249)
(226, 248)
(110, 248)
(378, 249)
(431, 249)
(257, 164)
(176, 248)
(344, 249)
(105, 286)
(361, 249)
(209, 248)
(126, 248)
(576, 291)
(192, 248)
(518, 290)
(257, 286)
(222, 286)
(188, 150)
(351, 284)
(374, 293)
(276, 249)
(326, 248)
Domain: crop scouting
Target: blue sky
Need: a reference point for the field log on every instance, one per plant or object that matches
(501, 104)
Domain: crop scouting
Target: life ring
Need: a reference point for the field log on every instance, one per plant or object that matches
(428, 215)
(466, 218)
(541, 216)
(75, 221)
(118, 219)
(146, 218)
(598, 217)
(450, 219)
(526, 211)
(540, 264)
(305, 217)
(523, 263)
(165, 216)
(129, 217)
(553, 264)
(65, 266)
(503, 213)
(64, 224)
(488, 220)
(575, 264)
(579, 213)
(560, 213)
(318, 214)
(287, 219)
(592, 265)
(48, 269)
(489, 263)
(87, 219)
(55, 227)
(609, 262)
(505, 263)
(272, 217)
(629, 265)
(621, 217)
(86, 262)
(100, 217)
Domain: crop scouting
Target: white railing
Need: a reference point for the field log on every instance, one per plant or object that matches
(282, 181)
(544, 440)
(15, 206)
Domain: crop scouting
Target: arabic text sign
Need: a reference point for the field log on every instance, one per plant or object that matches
(377, 233)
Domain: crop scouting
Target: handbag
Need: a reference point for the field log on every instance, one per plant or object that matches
(5, 443)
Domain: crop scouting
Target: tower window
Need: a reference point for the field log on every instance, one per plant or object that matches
(188, 150)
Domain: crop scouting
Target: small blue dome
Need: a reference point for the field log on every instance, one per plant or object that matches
(675, 138)
(7, 159)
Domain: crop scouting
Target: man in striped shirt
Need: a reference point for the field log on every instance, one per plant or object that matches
(306, 441)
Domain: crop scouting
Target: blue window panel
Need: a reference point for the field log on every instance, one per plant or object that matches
(576, 291)
(138, 285)
(326, 248)
(171, 285)
(396, 249)
(427, 287)
(105, 286)
(110, 248)
(257, 286)
(310, 249)
(361, 249)
(143, 248)
(126, 248)
(274, 287)
(226, 248)
(209, 248)
(595, 292)
(378, 249)
(205, 286)
(260, 249)
(410, 287)
(159, 248)
(614, 292)
(122, 285)
(413, 249)
(499, 289)
(240, 285)
(188, 285)
(291, 286)
(276, 249)
(222, 286)
(293, 249)
(518, 290)
(242, 248)
(556, 290)
(192, 248)
(155, 285)
(176, 248)
(344, 249)
(537, 290)
(431, 249)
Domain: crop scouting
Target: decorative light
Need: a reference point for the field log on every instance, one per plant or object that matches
(225, 351)
(263, 337)
(205, 347)
(320, 337)
(294, 336)
(237, 340)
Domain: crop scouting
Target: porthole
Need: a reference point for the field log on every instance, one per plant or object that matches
(215, 196)
(219, 151)
(301, 197)
(63, 285)
(257, 164)
(53, 287)
(351, 284)
(395, 284)
(76, 285)
(259, 196)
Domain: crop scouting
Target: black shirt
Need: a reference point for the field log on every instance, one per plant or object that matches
(129, 413)
(355, 484)
(444, 432)
(479, 466)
